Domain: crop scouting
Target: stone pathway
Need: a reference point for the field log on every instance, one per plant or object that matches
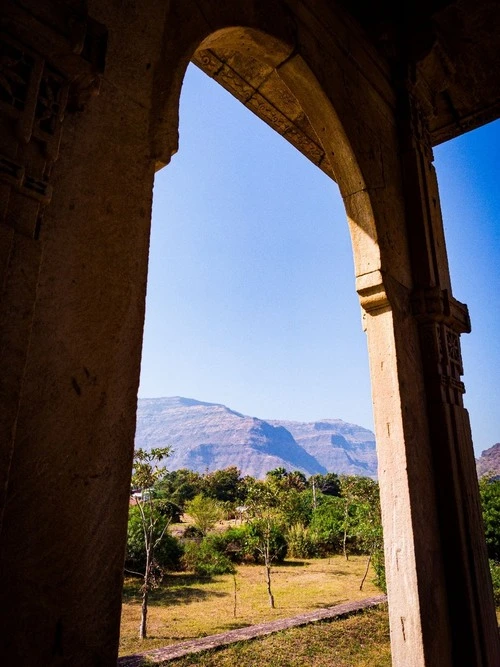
(243, 634)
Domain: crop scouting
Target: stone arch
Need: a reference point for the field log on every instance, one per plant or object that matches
(74, 288)
(293, 78)
(352, 113)
(357, 134)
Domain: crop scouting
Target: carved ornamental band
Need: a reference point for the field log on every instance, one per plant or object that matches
(441, 321)
(35, 93)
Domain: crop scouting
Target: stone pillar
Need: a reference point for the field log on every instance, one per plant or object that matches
(76, 179)
(414, 567)
(440, 597)
(440, 321)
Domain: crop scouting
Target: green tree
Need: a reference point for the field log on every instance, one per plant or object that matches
(327, 524)
(490, 500)
(205, 512)
(147, 472)
(283, 480)
(224, 485)
(368, 525)
(276, 477)
(296, 480)
(263, 503)
(180, 486)
(296, 507)
(168, 552)
(495, 579)
(328, 484)
(353, 490)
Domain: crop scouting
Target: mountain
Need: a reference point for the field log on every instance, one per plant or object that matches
(210, 436)
(336, 445)
(489, 461)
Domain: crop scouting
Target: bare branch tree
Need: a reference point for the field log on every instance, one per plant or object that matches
(147, 472)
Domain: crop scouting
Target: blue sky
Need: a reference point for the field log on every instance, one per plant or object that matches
(251, 298)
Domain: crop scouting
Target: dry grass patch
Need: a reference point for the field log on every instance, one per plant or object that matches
(361, 641)
(186, 607)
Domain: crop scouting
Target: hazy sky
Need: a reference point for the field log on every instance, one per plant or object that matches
(251, 298)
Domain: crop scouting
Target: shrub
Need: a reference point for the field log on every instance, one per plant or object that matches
(379, 567)
(233, 543)
(205, 560)
(495, 576)
(192, 533)
(327, 525)
(301, 543)
(277, 543)
(168, 553)
(490, 499)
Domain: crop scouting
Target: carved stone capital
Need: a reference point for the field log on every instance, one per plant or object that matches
(371, 290)
(433, 304)
(378, 291)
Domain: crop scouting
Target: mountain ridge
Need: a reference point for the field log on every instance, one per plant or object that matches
(208, 436)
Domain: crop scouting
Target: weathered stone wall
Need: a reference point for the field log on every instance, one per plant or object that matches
(67, 494)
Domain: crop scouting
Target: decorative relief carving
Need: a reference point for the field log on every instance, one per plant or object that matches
(51, 103)
(265, 110)
(263, 92)
(208, 62)
(34, 93)
(453, 347)
(15, 70)
(228, 79)
(442, 319)
(305, 145)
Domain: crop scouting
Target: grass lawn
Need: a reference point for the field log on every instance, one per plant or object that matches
(186, 607)
(358, 641)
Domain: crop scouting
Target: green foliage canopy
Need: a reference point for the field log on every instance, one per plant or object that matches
(205, 512)
(168, 551)
(490, 499)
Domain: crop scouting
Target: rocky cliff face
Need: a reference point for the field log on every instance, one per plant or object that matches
(489, 461)
(336, 445)
(209, 436)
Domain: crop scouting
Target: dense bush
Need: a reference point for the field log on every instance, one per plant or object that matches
(167, 553)
(490, 499)
(327, 525)
(191, 532)
(233, 543)
(239, 544)
(277, 543)
(205, 560)
(379, 567)
(301, 542)
(495, 577)
(296, 507)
